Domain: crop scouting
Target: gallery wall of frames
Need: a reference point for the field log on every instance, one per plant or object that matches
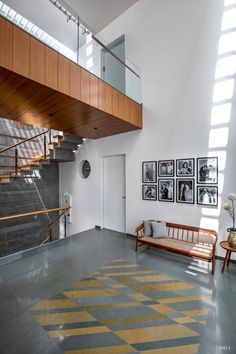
(183, 180)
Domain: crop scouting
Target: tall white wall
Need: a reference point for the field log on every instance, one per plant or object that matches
(175, 44)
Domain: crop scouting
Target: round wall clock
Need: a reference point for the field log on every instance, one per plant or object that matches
(85, 168)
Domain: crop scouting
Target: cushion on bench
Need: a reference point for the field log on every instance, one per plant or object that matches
(191, 249)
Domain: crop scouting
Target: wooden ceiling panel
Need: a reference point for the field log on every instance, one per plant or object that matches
(30, 102)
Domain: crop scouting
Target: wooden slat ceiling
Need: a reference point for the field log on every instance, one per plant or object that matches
(26, 101)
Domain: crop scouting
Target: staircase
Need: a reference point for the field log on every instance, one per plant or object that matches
(30, 182)
(61, 149)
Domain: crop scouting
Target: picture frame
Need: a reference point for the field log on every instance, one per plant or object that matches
(149, 172)
(185, 167)
(185, 190)
(149, 192)
(166, 190)
(207, 170)
(166, 168)
(207, 195)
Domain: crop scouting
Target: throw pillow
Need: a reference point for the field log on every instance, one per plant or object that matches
(159, 229)
(147, 228)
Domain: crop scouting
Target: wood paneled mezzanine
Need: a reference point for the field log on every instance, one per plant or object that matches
(41, 87)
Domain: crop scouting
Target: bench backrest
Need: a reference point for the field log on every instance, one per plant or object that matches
(191, 233)
(188, 233)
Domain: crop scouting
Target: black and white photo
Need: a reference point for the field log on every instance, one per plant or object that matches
(166, 168)
(166, 190)
(149, 172)
(149, 192)
(185, 191)
(207, 195)
(207, 170)
(185, 168)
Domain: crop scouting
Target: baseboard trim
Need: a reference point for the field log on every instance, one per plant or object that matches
(222, 258)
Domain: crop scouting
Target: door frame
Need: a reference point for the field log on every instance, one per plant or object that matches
(103, 188)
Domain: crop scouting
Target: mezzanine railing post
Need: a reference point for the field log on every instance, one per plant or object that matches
(50, 136)
(16, 161)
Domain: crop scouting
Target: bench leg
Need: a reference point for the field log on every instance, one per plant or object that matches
(213, 264)
(136, 247)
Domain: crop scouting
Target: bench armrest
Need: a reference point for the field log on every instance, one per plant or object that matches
(139, 230)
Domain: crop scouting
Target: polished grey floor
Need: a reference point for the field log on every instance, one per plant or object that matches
(46, 271)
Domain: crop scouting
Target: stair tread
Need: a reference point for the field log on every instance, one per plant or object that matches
(57, 136)
(38, 159)
(32, 164)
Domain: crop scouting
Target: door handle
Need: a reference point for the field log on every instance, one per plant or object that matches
(124, 197)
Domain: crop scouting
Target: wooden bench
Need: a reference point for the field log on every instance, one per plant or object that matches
(183, 239)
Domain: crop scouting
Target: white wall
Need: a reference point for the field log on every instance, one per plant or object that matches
(175, 44)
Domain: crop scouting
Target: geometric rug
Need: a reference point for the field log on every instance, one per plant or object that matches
(126, 308)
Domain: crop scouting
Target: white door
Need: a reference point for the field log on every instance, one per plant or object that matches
(114, 193)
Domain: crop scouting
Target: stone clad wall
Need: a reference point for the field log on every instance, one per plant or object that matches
(25, 194)
(22, 196)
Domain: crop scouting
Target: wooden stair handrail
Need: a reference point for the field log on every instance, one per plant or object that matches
(49, 236)
(17, 216)
(23, 141)
(58, 217)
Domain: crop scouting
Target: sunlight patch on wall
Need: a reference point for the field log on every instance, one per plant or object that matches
(209, 223)
(89, 50)
(218, 137)
(229, 19)
(89, 63)
(227, 43)
(223, 90)
(220, 114)
(226, 66)
(221, 158)
(221, 107)
(229, 2)
(221, 178)
(88, 38)
(211, 212)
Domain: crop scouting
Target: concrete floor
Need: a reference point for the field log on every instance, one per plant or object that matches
(46, 271)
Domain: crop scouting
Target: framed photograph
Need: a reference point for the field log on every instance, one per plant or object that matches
(149, 192)
(207, 170)
(185, 168)
(185, 190)
(149, 172)
(207, 195)
(166, 190)
(166, 168)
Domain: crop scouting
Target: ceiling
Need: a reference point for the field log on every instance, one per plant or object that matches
(99, 13)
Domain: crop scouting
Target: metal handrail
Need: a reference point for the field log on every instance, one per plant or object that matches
(49, 237)
(67, 11)
(23, 141)
(114, 55)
